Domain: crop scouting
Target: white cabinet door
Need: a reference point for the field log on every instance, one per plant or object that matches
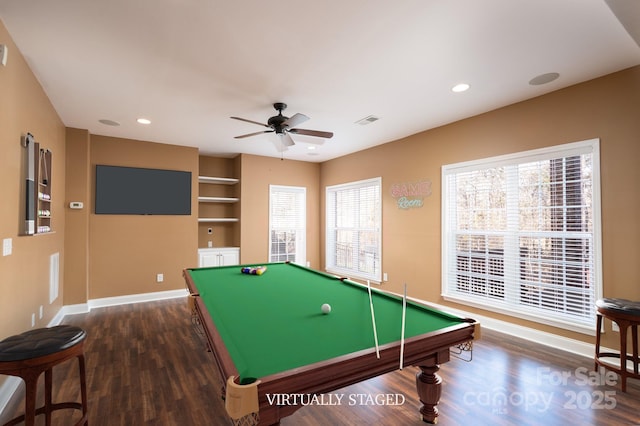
(218, 257)
(229, 257)
(209, 259)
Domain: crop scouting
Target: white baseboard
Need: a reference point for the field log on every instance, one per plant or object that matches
(83, 308)
(548, 339)
(136, 298)
(8, 388)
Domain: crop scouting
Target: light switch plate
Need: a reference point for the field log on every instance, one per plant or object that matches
(3, 54)
(7, 246)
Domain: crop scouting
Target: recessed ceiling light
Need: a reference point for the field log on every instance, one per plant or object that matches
(109, 122)
(144, 121)
(544, 78)
(461, 87)
(311, 147)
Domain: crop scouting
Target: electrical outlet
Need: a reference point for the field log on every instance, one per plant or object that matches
(385, 277)
(33, 319)
(614, 327)
(159, 278)
(41, 312)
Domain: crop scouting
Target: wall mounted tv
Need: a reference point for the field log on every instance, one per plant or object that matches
(131, 190)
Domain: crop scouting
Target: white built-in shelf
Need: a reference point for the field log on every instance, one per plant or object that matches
(218, 200)
(203, 199)
(217, 180)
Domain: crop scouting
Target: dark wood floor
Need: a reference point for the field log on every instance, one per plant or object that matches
(147, 365)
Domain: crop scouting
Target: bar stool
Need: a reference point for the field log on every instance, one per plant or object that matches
(29, 354)
(626, 314)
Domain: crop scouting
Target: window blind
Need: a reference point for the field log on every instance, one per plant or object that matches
(521, 234)
(287, 224)
(353, 229)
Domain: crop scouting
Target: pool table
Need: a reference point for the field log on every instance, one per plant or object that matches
(270, 329)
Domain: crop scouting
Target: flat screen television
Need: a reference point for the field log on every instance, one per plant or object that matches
(140, 191)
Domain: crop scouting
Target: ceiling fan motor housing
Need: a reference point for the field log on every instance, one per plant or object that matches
(276, 121)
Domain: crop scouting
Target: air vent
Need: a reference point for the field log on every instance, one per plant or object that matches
(107, 122)
(367, 120)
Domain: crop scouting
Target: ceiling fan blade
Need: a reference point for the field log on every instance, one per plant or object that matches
(253, 134)
(294, 120)
(309, 139)
(250, 121)
(286, 139)
(316, 133)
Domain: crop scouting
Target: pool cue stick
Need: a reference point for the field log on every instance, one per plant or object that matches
(404, 314)
(373, 321)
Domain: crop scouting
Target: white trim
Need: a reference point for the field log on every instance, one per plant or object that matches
(589, 146)
(8, 388)
(541, 337)
(330, 243)
(136, 298)
(301, 231)
(522, 314)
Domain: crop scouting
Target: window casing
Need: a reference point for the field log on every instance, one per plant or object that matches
(521, 234)
(287, 224)
(353, 229)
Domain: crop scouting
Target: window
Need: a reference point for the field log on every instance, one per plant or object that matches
(287, 224)
(353, 223)
(521, 234)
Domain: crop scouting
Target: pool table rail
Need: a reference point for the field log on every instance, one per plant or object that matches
(425, 351)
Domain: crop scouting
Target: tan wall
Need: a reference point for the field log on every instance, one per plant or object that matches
(24, 275)
(127, 251)
(257, 174)
(76, 242)
(605, 108)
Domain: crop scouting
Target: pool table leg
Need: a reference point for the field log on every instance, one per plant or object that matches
(429, 384)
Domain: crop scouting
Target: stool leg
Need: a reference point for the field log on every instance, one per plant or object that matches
(598, 328)
(31, 393)
(48, 386)
(623, 354)
(634, 337)
(83, 387)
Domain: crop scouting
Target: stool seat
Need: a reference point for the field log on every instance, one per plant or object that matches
(626, 314)
(29, 354)
(40, 342)
(621, 306)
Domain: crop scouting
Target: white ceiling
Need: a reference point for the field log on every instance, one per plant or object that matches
(188, 65)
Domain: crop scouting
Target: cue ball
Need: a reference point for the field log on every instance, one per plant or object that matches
(326, 308)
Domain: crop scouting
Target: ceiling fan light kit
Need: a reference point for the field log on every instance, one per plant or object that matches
(282, 126)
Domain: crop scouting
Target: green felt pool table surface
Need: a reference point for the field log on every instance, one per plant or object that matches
(273, 322)
(270, 327)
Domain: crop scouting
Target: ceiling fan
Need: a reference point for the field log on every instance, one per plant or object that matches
(282, 127)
